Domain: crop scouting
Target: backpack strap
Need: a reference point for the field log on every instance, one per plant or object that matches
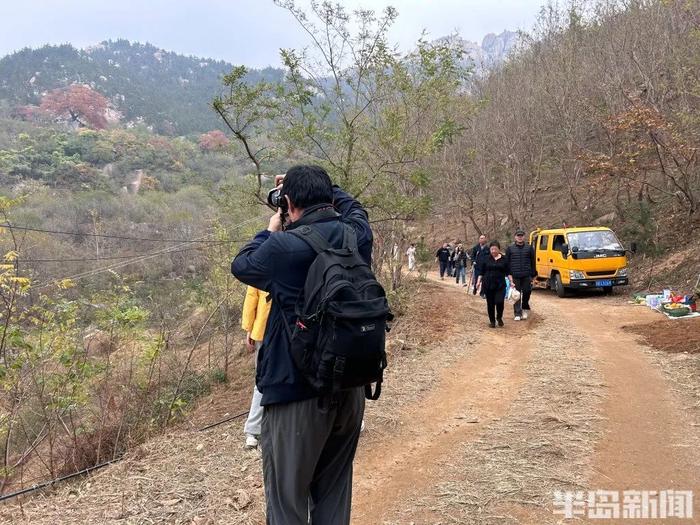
(373, 396)
(316, 241)
(349, 237)
(319, 244)
(377, 391)
(312, 238)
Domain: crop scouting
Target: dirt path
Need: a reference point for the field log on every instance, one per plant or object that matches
(630, 431)
(649, 442)
(475, 389)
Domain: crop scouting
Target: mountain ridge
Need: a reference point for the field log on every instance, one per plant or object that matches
(166, 91)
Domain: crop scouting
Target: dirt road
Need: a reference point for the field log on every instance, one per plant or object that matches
(474, 426)
(565, 401)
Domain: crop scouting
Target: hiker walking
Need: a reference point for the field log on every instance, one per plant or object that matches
(471, 280)
(479, 253)
(308, 439)
(256, 309)
(450, 261)
(442, 256)
(411, 254)
(460, 259)
(493, 274)
(521, 261)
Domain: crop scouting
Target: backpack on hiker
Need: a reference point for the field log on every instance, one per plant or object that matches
(342, 318)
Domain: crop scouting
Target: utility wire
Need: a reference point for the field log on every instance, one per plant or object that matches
(137, 259)
(116, 257)
(212, 425)
(111, 267)
(102, 269)
(39, 486)
(109, 236)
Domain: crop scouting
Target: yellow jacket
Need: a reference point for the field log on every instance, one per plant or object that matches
(256, 308)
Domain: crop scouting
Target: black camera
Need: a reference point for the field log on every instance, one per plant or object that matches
(276, 199)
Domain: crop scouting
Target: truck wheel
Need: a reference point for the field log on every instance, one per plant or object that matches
(558, 286)
(607, 290)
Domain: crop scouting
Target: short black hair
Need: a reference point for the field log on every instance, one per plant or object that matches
(496, 244)
(307, 186)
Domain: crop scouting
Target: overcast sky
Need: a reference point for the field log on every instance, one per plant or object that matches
(249, 32)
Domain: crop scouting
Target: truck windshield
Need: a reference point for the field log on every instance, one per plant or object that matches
(601, 240)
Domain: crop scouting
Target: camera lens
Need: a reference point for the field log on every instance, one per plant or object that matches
(273, 197)
(276, 200)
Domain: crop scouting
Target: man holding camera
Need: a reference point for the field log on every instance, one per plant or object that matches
(308, 442)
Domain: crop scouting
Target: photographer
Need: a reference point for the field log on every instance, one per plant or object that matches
(308, 442)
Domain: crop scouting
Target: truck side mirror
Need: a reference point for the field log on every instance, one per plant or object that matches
(565, 250)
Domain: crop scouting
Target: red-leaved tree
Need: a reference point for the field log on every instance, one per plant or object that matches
(78, 104)
(214, 140)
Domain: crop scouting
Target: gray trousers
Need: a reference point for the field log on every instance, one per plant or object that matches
(308, 448)
(254, 422)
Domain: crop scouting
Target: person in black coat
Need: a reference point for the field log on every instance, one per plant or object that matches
(521, 259)
(479, 254)
(442, 256)
(493, 272)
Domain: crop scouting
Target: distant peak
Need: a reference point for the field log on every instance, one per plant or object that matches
(504, 36)
(494, 48)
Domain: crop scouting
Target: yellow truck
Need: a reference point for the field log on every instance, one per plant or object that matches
(579, 258)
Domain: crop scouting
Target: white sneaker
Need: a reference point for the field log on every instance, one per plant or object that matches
(524, 314)
(251, 441)
(516, 318)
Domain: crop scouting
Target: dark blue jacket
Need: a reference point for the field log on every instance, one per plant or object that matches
(278, 263)
(480, 254)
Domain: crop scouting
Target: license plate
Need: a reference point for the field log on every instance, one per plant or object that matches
(603, 282)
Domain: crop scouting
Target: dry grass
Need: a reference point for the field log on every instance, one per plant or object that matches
(544, 442)
(421, 344)
(186, 478)
(683, 371)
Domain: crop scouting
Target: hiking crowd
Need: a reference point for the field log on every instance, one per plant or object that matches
(492, 274)
(316, 317)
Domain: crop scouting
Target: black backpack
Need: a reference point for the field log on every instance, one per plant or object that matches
(342, 315)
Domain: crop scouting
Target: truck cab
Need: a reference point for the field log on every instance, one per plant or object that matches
(579, 258)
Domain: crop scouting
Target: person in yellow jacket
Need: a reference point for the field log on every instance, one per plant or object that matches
(256, 309)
